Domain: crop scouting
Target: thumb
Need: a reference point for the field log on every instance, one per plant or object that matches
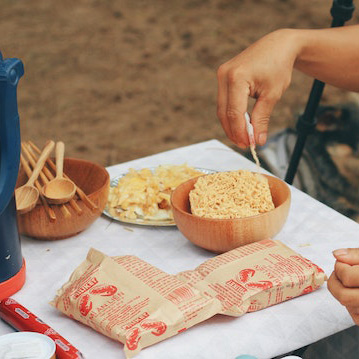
(347, 255)
(260, 118)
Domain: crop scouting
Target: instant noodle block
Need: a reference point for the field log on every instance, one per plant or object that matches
(223, 234)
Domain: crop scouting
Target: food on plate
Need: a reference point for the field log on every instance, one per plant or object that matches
(234, 194)
(146, 193)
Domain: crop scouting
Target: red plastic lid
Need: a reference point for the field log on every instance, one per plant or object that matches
(14, 284)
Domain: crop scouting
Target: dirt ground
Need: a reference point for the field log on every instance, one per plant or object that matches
(117, 80)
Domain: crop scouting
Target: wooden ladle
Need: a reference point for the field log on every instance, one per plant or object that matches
(27, 195)
(59, 190)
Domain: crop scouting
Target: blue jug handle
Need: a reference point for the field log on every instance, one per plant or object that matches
(10, 145)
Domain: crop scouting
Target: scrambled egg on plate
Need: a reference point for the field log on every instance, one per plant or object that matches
(145, 194)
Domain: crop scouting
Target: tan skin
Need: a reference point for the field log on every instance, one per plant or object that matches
(344, 281)
(263, 71)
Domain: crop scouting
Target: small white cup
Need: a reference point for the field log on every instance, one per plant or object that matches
(41, 345)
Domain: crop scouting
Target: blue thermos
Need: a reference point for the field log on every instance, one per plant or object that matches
(12, 264)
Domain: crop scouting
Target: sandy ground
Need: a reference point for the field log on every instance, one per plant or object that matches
(117, 80)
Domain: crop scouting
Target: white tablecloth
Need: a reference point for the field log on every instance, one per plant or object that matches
(312, 230)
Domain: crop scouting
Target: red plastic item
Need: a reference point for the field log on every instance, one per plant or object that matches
(14, 284)
(23, 320)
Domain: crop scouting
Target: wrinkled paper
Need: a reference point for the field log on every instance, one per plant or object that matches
(139, 305)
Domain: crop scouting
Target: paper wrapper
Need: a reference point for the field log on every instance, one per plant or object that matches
(137, 304)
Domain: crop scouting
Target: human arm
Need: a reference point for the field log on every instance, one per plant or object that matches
(263, 71)
(344, 281)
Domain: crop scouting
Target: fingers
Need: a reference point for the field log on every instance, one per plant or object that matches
(260, 117)
(349, 297)
(347, 255)
(347, 274)
(232, 102)
(237, 102)
(354, 313)
(334, 285)
(222, 101)
(343, 285)
(262, 71)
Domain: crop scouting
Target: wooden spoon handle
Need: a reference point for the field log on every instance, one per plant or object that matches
(49, 211)
(60, 151)
(40, 162)
(88, 202)
(25, 165)
(32, 159)
(45, 174)
(49, 176)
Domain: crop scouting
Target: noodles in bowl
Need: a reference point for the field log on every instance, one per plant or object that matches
(222, 234)
(235, 194)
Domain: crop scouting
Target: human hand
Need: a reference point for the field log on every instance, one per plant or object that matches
(344, 281)
(262, 71)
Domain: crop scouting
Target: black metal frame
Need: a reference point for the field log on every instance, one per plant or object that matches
(341, 11)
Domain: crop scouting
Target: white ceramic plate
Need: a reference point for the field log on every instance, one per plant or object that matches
(141, 221)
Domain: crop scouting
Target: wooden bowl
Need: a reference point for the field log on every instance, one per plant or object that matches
(221, 235)
(93, 179)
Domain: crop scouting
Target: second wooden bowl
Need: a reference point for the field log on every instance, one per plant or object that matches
(93, 179)
(221, 235)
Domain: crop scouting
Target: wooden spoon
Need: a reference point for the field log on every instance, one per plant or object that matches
(49, 211)
(27, 195)
(59, 190)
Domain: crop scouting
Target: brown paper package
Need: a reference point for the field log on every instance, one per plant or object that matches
(139, 305)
